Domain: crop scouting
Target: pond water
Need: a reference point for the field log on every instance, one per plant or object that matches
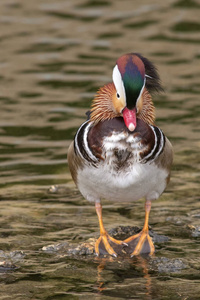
(54, 55)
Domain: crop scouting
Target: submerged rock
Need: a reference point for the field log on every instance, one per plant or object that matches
(123, 232)
(12, 255)
(8, 260)
(166, 265)
(154, 264)
(87, 248)
(53, 189)
(55, 247)
(194, 230)
(176, 220)
(7, 266)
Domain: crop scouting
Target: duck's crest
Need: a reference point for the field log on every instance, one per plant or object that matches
(153, 83)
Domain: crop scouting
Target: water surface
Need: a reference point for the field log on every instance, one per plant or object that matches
(54, 57)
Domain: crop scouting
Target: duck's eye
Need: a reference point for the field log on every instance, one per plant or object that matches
(118, 96)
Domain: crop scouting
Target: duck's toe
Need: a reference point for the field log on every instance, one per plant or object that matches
(108, 245)
(140, 243)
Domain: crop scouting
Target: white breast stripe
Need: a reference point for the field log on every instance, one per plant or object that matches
(87, 149)
(158, 142)
(161, 144)
(76, 142)
(155, 145)
(84, 142)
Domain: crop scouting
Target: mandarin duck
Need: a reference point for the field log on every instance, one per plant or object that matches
(118, 153)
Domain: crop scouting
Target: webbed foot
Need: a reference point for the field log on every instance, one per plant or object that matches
(140, 243)
(108, 245)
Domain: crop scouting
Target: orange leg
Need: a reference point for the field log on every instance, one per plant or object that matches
(105, 241)
(142, 242)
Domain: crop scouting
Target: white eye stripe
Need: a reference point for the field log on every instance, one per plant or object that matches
(117, 80)
(148, 76)
(141, 91)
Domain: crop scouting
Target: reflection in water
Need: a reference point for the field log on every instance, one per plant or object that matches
(144, 266)
(100, 268)
(138, 263)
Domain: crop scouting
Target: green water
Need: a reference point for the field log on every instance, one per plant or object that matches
(54, 55)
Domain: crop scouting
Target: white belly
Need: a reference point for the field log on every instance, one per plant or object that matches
(138, 181)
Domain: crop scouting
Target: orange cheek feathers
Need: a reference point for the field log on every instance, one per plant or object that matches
(118, 104)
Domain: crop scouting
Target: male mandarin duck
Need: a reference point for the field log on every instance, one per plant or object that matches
(118, 153)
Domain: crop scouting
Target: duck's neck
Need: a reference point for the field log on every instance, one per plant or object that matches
(147, 114)
(103, 108)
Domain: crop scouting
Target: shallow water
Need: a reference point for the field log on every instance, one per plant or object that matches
(53, 58)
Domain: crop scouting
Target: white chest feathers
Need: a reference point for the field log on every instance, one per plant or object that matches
(122, 175)
(135, 182)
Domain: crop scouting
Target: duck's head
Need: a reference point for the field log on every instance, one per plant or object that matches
(129, 80)
(133, 78)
